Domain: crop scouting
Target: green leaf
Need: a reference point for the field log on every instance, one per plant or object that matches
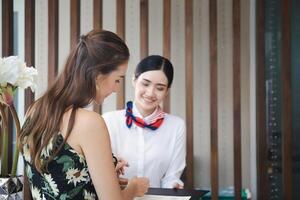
(67, 162)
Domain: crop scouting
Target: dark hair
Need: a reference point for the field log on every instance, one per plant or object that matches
(98, 52)
(155, 62)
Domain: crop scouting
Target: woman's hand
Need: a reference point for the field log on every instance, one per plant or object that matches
(120, 167)
(123, 182)
(139, 186)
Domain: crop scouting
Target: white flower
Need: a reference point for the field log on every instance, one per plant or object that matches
(26, 153)
(27, 78)
(36, 194)
(76, 176)
(47, 149)
(15, 72)
(52, 185)
(89, 195)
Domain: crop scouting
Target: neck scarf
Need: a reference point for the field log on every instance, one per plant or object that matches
(153, 124)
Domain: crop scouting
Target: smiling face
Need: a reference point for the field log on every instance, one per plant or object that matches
(107, 84)
(151, 88)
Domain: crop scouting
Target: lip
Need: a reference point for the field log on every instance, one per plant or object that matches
(147, 100)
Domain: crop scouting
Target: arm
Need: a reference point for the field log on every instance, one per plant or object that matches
(178, 162)
(94, 138)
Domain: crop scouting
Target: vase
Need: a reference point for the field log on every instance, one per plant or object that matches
(11, 188)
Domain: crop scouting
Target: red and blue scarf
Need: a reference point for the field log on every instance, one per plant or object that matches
(154, 123)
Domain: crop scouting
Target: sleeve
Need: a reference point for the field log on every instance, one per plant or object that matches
(178, 160)
(108, 118)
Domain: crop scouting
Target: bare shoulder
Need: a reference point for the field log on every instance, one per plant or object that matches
(86, 119)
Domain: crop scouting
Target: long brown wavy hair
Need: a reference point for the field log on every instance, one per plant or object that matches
(98, 52)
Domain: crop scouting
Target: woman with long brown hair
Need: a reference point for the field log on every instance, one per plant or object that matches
(66, 148)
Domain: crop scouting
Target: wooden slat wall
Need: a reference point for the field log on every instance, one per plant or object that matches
(167, 43)
(52, 40)
(213, 98)
(7, 28)
(97, 24)
(144, 28)
(97, 21)
(75, 22)
(121, 33)
(260, 52)
(261, 142)
(30, 61)
(29, 44)
(189, 90)
(286, 68)
(7, 50)
(237, 98)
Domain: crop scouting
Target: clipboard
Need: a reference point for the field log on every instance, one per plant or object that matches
(195, 194)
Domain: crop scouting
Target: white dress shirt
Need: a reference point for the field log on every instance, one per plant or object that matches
(157, 154)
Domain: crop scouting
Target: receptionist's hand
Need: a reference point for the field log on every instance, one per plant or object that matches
(177, 186)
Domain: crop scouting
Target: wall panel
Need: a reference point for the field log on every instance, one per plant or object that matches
(52, 41)
(132, 35)
(120, 104)
(201, 94)
(236, 59)
(86, 16)
(155, 27)
(64, 44)
(225, 100)
(41, 46)
(189, 67)
(245, 93)
(110, 23)
(144, 28)
(178, 58)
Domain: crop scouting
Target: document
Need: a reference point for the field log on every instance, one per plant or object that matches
(160, 197)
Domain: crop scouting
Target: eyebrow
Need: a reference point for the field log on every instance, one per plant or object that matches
(160, 84)
(122, 76)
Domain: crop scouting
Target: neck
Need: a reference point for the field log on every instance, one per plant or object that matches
(144, 112)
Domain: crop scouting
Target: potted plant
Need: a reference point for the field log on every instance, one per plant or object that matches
(13, 74)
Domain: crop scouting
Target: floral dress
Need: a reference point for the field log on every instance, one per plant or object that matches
(67, 175)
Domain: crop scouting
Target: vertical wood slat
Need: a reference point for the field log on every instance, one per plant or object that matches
(167, 43)
(262, 152)
(7, 50)
(29, 58)
(286, 65)
(97, 15)
(214, 99)
(52, 40)
(7, 28)
(144, 28)
(75, 22)
(189, 89)
(97, 24)
(29, 44)
(121, 33)
(237, 98)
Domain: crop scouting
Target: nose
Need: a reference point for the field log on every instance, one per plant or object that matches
(150, 91)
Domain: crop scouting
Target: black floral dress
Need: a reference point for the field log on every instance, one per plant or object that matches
(67, 175)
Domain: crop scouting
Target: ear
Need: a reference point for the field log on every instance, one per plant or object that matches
(99, 80)
(168, 91)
